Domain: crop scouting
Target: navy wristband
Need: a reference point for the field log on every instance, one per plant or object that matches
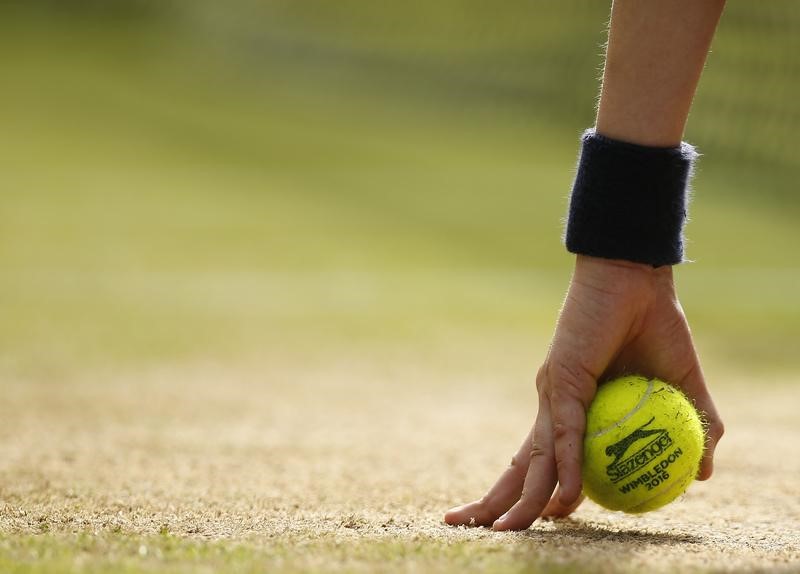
(629, 201)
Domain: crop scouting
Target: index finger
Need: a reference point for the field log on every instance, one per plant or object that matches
(540, 481)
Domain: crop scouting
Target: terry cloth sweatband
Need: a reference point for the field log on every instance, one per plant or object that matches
(629, 201)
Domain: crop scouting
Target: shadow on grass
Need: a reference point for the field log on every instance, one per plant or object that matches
(588, 532)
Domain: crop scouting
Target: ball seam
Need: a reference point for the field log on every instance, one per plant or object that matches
(629, 415)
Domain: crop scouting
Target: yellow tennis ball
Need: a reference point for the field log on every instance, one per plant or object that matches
(643, 444)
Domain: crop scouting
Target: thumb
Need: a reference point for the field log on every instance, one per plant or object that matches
(680, 365)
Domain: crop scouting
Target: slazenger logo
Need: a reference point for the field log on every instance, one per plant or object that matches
(658, 440)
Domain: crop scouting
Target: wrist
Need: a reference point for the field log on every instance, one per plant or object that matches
(618, 264)
(619, 274)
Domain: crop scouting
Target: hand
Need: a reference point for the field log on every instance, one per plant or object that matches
(618, 317)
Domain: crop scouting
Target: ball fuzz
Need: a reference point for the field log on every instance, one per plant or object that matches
(643, 444)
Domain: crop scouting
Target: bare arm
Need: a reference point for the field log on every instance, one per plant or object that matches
(656, 52)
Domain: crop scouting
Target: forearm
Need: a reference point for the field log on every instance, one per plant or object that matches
(656, 52)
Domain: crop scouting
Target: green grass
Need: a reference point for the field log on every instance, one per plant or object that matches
(120, 553)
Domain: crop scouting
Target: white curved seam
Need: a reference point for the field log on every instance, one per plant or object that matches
(628, 416)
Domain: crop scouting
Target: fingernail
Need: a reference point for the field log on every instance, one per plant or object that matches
(498, 525)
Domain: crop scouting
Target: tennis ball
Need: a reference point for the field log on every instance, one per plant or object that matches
(643, 444)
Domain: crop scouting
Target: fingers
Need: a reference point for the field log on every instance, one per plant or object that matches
(556, 509)
(497, 501)
(598, 315)
(680, 365)
(540, 480)
(505, 492)
(694, 385)
(569, 424)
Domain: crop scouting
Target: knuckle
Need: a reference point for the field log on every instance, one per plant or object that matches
(517, 465)
(716, 429)
(538, 450)
(541, 379)
(565, 461)
(563, 430)
(571, 381)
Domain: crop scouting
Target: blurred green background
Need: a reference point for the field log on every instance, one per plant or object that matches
(298, 180)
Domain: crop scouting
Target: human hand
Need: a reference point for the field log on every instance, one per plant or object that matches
(618, 317)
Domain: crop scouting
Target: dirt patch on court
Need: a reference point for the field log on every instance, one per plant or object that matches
(353, 454)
